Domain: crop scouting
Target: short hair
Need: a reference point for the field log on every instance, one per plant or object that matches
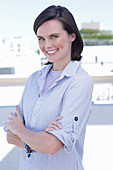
(64, 16)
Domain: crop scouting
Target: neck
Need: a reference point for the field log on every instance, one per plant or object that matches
(60, 65)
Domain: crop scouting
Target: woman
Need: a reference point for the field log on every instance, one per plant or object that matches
(61, 91)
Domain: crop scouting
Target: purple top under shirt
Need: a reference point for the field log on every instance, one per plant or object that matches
(51, 78)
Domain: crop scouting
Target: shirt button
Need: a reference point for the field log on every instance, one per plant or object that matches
(76, 118)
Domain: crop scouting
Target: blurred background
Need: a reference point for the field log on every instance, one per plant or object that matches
(20, 56)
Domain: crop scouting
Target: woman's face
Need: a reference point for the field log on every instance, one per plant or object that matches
(55, 43)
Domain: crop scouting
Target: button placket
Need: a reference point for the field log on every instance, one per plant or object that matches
(35, 111)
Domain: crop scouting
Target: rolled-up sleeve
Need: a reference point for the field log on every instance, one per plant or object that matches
(76, 108)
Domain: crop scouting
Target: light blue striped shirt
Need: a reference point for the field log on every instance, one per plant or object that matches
(69, 96)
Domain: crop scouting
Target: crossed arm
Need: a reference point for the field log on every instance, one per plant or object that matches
(38, 141)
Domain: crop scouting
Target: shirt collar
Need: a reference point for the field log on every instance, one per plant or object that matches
(70, 69)
(44, 71)
(42, 78)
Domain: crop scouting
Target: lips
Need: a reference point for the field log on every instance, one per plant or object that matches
(51, 52)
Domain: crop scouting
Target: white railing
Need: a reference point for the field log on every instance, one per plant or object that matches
(98, 140)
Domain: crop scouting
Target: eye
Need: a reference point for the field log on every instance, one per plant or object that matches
(54, 36)
(40, 38)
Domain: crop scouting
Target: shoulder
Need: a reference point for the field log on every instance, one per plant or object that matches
(76, 72)
(34, 76)
(82, 75)
(82, 79)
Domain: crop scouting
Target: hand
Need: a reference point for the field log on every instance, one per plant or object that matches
(55, 125)
(11, 137)
(15, 122)
(14, 139)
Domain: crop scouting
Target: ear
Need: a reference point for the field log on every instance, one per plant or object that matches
(73, 37)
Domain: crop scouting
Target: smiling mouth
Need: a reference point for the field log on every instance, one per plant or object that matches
(51, 52)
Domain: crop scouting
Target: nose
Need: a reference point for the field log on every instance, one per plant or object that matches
(48, 44)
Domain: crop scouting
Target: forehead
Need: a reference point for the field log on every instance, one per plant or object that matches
(50, 27)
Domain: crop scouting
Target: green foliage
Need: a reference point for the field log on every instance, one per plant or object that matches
(95, 33)
(89, 31)
(102, 36)
(111, 70)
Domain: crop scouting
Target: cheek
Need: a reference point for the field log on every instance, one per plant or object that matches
(41, 46)
(59, 44)
(63, 46)
(63, 43)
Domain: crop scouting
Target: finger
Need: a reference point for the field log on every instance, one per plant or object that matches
(18, 111)
(9, 119)
(59, 118)
(6, 124)
(49, 129)
(54, 126)
(56, 123)
(12, 115)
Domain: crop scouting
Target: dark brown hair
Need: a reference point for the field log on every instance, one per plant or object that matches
(64, 16)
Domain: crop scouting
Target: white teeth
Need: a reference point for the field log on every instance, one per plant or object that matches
(51, 52)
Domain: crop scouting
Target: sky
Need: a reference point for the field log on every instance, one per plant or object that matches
(17, 16)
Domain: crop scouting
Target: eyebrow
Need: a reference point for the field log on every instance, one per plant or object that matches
(39, 36)
(49, 35)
